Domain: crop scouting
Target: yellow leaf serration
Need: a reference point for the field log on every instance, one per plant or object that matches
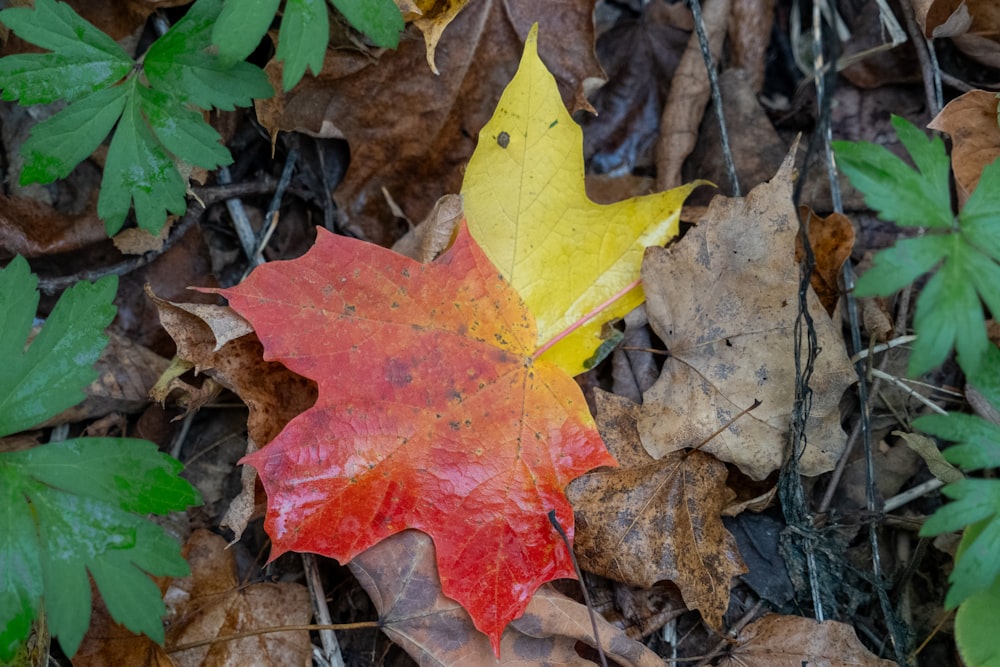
(526, 206)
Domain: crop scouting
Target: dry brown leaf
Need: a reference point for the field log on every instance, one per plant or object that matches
(32, 228)
(832, 239)
(942, 18)
(750, 32)
(432, 22)
(971, 122)
(650, 520)
(401, 578)
(272, 393)
(109, 643)
(430, 238)
(689, 93)
(724, 301)
(793, 641)
(640, 57)
(412, 132)
(211, 604)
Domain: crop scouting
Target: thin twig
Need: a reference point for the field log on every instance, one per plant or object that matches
(331, 648)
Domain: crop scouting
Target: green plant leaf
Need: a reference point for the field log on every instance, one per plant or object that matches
(974, 501)
(304, 30)
(241, 25)
(896, 267)
(158, 118)
(138, 171)
(380, 20)
(71, 508)
(949, 311)
(84, 61)
(56, 145)
(180, 64)
(302, 40)
(891, 187)
(74, 507)
(50, 375)
(978, 617)
(980, 439)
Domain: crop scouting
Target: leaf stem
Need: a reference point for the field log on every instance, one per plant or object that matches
(586, 318)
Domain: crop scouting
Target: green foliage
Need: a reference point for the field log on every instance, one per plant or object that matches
(978, 617)
(304, 30)
(155, 103)
(74, 507)
(966, 249)
(975, 580)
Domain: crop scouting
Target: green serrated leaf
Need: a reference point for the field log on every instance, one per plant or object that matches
(50, 375)
(974, 500)
(948, 313)
(58, 144)
(892, 188)
(183, 131)
(81, 529)
(977, 567)
(978, 617)
(85, 59)
(20, 571)
(980, 439)
(138, 170)
(380, 20)
(980, 217)
(179, 64)
(896, 267)
(302, 40)
(241, 26)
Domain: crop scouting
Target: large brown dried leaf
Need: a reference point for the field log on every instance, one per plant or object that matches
(971, 121)
(650, 520)
(401, 578)
(211, 603)
(793, 641)
(724, 301)
(412, 132)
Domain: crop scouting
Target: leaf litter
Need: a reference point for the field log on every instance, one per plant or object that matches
(758, 643)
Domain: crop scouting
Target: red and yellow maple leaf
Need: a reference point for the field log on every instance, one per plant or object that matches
(433, 413)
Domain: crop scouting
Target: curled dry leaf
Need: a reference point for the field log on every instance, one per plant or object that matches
(831, 239)
(212, 604)
(793, 641)
(435, 16)
(972, 123)
(724, 301)
(401, 578)
(210, 337)
(651, 520)
(411, 131)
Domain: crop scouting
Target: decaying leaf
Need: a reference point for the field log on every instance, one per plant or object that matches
(831, 239)
(401, 577)
(794, 641)
(724, 302)
(432, 414)
(213, 338)
(971, 122)
(526, 205)
(211, 603)
(650, 520)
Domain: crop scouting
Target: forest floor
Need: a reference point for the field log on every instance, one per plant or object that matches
(368, 147)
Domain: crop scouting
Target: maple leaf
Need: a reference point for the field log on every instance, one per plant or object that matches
(432, 414)
(527, 207)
